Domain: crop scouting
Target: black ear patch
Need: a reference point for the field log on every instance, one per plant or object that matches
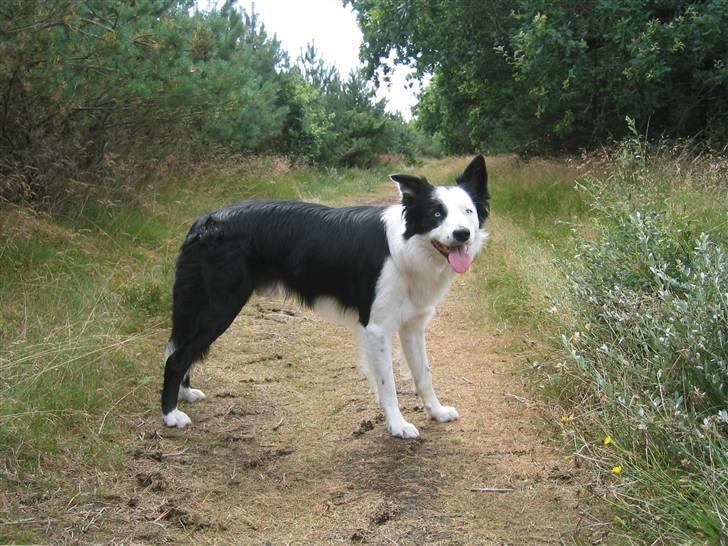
(410, 184)
(474, 180)
(423, 212)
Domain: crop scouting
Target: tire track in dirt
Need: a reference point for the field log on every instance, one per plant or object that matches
(290, 447)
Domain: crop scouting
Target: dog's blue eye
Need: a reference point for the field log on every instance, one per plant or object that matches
(438, 214)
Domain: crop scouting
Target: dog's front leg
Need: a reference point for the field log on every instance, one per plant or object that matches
(412, 338)
(376, 348)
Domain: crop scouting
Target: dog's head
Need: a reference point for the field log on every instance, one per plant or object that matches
(448, 218)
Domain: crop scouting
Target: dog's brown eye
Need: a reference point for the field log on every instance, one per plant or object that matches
(468, 211)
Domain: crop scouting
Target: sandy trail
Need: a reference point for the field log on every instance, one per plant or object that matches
(290, 447)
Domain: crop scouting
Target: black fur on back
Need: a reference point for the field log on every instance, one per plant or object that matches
(310, 250)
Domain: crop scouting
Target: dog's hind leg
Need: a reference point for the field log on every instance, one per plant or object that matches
(412, 339)
(211, 322)
(186, 392)
(175, 370)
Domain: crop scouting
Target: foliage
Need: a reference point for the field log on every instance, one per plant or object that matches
(338, 120)
(533, 75)
(648, 365)
(85, 85)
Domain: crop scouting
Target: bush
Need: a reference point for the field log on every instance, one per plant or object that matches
(88, 86)
(649, 363)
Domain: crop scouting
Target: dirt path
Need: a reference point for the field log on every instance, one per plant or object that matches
(290, 447)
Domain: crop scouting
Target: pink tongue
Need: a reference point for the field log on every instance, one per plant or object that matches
(460, 260)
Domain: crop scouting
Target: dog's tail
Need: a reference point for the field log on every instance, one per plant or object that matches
(198, 285)
(188, 299)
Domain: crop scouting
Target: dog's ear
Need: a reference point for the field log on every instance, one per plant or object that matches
(410, 185)
(474, 180)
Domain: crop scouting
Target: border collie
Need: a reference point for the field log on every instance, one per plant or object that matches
(380, 269)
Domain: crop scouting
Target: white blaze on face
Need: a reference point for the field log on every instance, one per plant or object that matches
(460, 215)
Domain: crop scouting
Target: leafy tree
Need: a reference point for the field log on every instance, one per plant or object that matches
(559, 74)
(340, 121)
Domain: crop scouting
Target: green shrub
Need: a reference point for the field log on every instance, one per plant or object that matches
(86, 100)
(649, 363)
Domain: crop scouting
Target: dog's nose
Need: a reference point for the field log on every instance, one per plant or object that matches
(461, 235)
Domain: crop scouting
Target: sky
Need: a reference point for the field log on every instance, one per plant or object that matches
(333, 29)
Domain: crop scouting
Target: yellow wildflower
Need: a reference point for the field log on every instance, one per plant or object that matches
(607, 440)
(565, 419)
(617, 470)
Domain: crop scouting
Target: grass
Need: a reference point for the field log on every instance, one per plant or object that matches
(535, 206)
(84, 299)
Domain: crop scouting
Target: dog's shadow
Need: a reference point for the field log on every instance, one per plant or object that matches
(398, 469)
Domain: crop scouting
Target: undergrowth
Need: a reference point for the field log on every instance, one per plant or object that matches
(645, 375)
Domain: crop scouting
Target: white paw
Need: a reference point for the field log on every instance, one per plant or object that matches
(191, 395)
(176, 418)
(403, 429)
(443, 414)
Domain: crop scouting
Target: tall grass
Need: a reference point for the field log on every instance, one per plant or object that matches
(645, 380)
(78, 298)
(533, 209)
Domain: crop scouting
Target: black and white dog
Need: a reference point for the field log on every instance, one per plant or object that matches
(381, 270)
